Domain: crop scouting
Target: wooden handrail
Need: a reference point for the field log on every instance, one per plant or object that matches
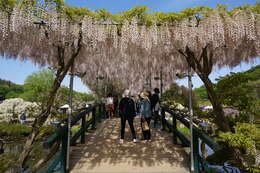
(62, 134)
(197, 134)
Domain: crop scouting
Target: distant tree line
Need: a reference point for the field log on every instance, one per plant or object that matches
(35, 89)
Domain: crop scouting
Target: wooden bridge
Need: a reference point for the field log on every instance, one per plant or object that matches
(99, 150)
(103, 153)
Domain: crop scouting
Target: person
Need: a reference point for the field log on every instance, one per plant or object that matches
(146, 115)
(127, 113)
(109, 106)
(155, 105)
(22, 118)
(115, 104)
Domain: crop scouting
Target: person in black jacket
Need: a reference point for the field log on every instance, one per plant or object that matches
(127, 113)
(155, 105)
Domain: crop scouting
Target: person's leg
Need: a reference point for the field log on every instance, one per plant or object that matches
(144, 134)
(131, 124)
(111, 111)
(123, 120)
(148, 120)
(154, 119)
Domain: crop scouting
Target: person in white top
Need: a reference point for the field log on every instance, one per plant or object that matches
(110, 106)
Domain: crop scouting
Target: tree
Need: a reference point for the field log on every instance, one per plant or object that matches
(38, 85)
(179, 94)
(202, 64)
(241, 90)
(201, 93)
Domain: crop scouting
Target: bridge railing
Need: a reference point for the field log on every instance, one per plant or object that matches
(88, 117)
(198, 134)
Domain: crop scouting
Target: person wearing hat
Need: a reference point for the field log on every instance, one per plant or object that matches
(155, 105)
(127, 112)
(146, 115)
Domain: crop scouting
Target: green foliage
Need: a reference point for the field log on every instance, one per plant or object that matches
(241, 90)
(138, 12)
(9, 89)
(29, 2)
(244, 138)
(256, 8)
(7, 5)
(178, 94)
(46, 131)
(8, 161)
(14, 130)
(201, 93)
(4, 90)
(37, 86)
(77, 13)
(14, 91)
(141, 13)
(254, 169)
(103, 14)
(85, 97)
(196, 11)
(6, 82)
(184, 130)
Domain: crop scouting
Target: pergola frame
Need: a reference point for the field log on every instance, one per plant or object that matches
(130, 51)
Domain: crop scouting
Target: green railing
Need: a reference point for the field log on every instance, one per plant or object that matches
(88, 118)
(199, 163)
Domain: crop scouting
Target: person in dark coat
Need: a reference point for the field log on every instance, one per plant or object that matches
(127, 112)
(155, 105)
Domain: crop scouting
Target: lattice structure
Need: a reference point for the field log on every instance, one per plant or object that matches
(130, 52)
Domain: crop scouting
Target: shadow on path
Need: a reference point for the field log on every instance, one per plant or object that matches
(103, 153)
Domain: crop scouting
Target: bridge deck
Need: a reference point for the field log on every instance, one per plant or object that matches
(103, 153)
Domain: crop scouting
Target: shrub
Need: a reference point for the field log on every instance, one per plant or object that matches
(14, 130)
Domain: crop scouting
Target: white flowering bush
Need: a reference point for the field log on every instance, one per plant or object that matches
(12, 108)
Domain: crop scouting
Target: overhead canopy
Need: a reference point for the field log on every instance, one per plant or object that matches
(129, 52)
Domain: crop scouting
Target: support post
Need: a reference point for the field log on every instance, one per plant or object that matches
(191, 117)
(83, 125)
(196, 158)
(63, 156)
(93, 126)
(174, 129)
(163, 119)
(70, 114)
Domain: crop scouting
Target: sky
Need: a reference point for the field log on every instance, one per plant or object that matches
(17, 71)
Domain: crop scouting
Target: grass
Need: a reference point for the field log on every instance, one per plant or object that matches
(204, 102)
(184, 130)
(14, 130)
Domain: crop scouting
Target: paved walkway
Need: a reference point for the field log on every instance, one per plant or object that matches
(103, 153)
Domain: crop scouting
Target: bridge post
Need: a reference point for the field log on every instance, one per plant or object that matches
(93, 126)
(83, 125)
(163, 118)
(174, 129)
(196, 158)
(63, 159)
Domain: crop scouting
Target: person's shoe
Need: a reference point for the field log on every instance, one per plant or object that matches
(121, 141)
(135, 140)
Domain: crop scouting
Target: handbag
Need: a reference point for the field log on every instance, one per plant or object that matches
(145, 126)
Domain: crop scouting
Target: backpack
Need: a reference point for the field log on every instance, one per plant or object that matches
(128, 107)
